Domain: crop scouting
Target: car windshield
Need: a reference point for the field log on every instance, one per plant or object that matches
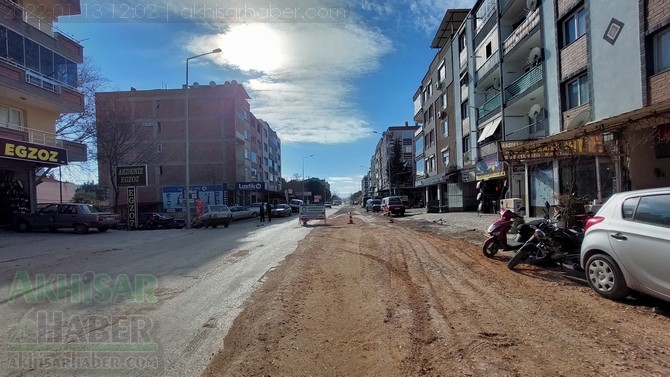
(395, 200)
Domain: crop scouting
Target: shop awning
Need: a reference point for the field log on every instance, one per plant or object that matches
(489, 129)
(649, 116)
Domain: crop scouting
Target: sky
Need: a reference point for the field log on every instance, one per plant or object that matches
(325, 74)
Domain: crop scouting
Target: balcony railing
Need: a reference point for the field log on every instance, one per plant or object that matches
(524, 82)
(488, 149)
(487, 66)
(37, 136)
(490, 105)
(522, 31)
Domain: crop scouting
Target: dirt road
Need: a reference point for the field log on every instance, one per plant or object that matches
(402, 299)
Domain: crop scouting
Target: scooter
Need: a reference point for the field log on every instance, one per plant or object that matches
(498, 233)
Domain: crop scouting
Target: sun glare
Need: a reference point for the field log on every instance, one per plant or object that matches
(254, 47)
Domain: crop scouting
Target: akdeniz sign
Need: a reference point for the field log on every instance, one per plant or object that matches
(251, 186)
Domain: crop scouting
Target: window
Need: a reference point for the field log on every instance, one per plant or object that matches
(431, 112)
(441, 72)
(160, 170)
(443, 101)
(418, 146)
(464, 110)
(445, 158)
(662, 51)
(488, 50)
(429, 86)
(654, 210)
(10, 117)
(462, 42)
(577, 91)
(445, 127)
(246, 154)
(159, 148)
(466, 144)
(574, 26)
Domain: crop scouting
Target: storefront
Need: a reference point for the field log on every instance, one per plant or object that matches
(19, 163)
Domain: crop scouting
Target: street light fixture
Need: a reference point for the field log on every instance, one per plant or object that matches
(188, 161)
(303, 176)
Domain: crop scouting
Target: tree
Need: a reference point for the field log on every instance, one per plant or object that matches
(399, 172)
(80, 127)
(90, 192)
(121, 141)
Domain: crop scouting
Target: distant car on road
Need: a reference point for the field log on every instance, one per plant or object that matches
(625, 245)
(215, 215)
(281, 210)
(295, 204)
(77, 216)
(327, 205)
(255, 208)
(241, 213)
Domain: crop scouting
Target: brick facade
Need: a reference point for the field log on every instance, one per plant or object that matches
(659, 87)
(565, 6)
(574, 57)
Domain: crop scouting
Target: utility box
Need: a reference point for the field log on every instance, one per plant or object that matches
(513, 204)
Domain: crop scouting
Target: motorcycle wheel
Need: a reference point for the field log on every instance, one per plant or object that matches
(520, 256)
(491, 247)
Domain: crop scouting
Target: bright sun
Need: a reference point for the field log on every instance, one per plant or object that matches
(254, 47)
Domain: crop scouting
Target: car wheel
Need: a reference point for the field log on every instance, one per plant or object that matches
(605, 277)
(23, 226)
(80, 228)
(254, 214)
(102, 229)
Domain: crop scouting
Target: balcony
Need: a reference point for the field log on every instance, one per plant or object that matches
(522, 31)
(487, 66)
(524, 82)
(488, 149)
(490, 105)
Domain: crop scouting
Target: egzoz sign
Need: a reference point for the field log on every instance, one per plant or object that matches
(132, 208)
(20, 150)
(131, 176)
(251, 186)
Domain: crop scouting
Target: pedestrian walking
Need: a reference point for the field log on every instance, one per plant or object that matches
(269, 209)
(261, 214)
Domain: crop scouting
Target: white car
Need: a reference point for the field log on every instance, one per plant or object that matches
(626, 245)
(215, 215)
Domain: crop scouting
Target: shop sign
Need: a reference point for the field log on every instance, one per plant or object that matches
(251, 186)
(132, 208)
(131, 176)
(490, 168)
(21, 150)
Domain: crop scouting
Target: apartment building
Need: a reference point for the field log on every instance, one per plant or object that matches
(558, 97)
(38, 82)
(385, 178)
(234, 157)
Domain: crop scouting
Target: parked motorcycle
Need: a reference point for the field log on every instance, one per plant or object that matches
(501, 226)
(550, 242)
(158, 221)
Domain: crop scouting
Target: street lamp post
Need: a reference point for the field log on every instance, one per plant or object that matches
(188, 160)
(303, 176)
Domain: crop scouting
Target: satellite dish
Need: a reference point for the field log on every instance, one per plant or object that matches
(196, 84)
(534, 55)
(212, 83)
(496, 83)
(580, 119)
(534, 111)
(531, 5)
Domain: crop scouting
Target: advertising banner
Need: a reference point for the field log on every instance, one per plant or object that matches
(131, 176)
(174, 196)
(21, 150)
(251, 186)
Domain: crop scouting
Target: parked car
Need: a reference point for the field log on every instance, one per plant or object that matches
(374, 205)
(255, 208)
(281, 210)
(295, 204)
(241, 213)
(215, 215)
(149, 221)
(78, 216)
(393, 205)
(625, 245)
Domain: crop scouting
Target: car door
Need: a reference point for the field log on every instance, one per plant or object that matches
(44, 218)
(66, 217)
(640, 239)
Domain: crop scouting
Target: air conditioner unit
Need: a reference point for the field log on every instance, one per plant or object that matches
(441, 114)
(438, 85)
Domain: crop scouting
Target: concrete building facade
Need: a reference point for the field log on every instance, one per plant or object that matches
(551, 98)
(38, 83)
(231, 151)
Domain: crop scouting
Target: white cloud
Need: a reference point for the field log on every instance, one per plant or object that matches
(343, 186)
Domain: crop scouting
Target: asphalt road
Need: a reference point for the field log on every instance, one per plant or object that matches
(140, 303)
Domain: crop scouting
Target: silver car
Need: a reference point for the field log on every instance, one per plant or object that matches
(626, 245)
